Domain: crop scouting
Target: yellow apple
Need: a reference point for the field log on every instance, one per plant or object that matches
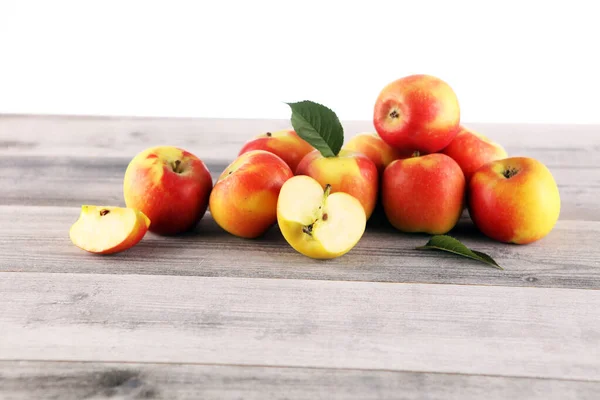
(107, 230)
(317, 223)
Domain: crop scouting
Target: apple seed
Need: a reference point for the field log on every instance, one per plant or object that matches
(103, 212)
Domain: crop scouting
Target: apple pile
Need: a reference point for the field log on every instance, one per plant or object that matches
(421, 165)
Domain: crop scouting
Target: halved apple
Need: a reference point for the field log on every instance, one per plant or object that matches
(316, 223)
(107, 230)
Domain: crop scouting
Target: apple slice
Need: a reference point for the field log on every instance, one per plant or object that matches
(316, 223)
(107, 230)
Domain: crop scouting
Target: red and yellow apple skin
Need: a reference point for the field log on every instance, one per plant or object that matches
(514, 200)
(417, 113)
(244, 199)
(471, 150)
(108, 229)
(285, 143)
(349, 172)
(169, 185)
(378, 151)
(423, 194)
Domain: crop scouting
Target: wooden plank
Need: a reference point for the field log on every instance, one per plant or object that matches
(35, 239)
(74, 380)
(72, 181)
(221, 139)
(67, 180)
(538, 333)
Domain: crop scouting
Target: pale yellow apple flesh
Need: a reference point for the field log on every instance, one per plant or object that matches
(107, 230)
(318, 224)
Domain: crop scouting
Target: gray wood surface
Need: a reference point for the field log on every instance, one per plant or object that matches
(24, 380)
(220, 139)
(487, 330)
(208, 315)
(382, 255)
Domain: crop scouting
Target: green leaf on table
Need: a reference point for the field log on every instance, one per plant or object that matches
(319, 126)
(452, 245)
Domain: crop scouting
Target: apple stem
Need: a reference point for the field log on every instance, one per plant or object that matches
(416, 153)
(176, 166)
(509, 172)
(327, 190)
(269, 134)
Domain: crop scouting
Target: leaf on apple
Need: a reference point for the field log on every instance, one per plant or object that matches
(319, 126)
(452, 245)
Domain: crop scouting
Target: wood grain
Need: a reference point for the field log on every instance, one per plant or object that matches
(72, 181)
(179, 317)
(35, 239)
(541, 333)
(76, 380)
(221, 139)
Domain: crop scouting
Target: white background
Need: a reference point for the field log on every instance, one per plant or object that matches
(508, 61)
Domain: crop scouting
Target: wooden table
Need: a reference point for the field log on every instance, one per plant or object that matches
(210, 316)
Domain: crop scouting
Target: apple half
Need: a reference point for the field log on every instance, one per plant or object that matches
(317, 223)
(107, 230)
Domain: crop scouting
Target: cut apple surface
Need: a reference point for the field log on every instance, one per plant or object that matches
(107, 230)
(316, 223)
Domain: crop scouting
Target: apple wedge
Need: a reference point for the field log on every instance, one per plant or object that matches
(107, 230)
(316, 223)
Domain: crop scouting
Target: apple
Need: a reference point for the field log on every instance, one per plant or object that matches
(107, 229)
(349, 171)
(170, 185)
(284, 143)
(316, 222)
(514, 200)
(244, 199)
(378, 151)
(471, 150)
(417, 113)
(423, 194)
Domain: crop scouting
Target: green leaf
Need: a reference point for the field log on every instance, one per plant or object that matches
(319, 126)
(452, 245)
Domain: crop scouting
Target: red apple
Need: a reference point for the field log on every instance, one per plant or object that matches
(349, 172)
(244, 199)
(285, 143)
(514, 200)
(417, 112)
(378, 151)
(170, 185)
(423, 193)
(471, 150)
